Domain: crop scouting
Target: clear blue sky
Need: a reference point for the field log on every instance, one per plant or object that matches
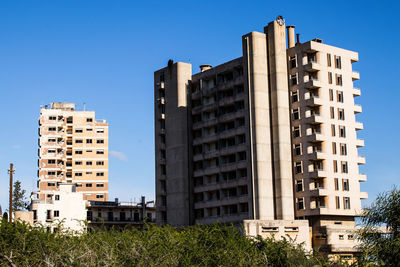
(104, 53)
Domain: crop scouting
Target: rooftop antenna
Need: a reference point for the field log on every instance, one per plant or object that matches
(84, 106)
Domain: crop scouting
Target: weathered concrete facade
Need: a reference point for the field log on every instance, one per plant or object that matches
(238, 160)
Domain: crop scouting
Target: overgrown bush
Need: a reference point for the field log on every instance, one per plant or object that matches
(211, 245)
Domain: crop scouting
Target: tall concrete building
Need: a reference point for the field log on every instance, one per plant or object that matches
(267, 139)
(73, 148)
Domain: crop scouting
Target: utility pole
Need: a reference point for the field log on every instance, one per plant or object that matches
(11, 171)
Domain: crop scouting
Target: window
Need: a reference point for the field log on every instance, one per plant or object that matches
(78, 152)
(100, 141)
(334, 148)
(330, 95)
(88, 151)
(341, 114)
(299, 185)
(51, 140)
(336, 184)
(51, 151)
(333, 130)
(344, 167)
(296, 131)
(51, 173)
(300, 203)
(341, 237)
(56, 213)
(52, 118)
(346, 203)
(89, 129)
(88, 185)
(52, 129)
(89, 141)
(328, 60)
(78, 162)
(51, 184)
(293, 79)
(88, 163)
(99, 173)
(78, 131)
(78, 141)
(89, 119)
(332, 109)
(342, 131)
(298, 167)
(57, 197)
(99, 196)
(350, 237)
(51, 161)
(339, 96)
(296, 115)
(297, 149)
(338, 62)
(330, 77)
(343, 149)
(100, 130)
(339, 79)
(337, 200)
(78, 185)
(335, 166)
(100, 152)
(292, 62)
(99, 163)
(78, 174)
(88, 173)
(99, 185)
(345, 185)
(295, 96)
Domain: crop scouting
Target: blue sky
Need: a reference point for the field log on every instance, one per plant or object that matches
(104, 53)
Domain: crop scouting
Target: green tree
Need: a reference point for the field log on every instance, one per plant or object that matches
(19, 201)
(380, 239)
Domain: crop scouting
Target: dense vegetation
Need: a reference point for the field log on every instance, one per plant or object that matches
(213, 245)
(381, 234)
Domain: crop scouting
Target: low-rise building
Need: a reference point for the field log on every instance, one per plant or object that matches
(115, 214)
(63, 207)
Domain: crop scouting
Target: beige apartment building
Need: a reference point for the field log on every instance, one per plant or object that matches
(267, 140)
(73, 148)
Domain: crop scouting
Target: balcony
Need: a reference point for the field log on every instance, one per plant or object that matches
(312, 66)
(361, 160)
(161, 85)
(359, 142)
(357, 109)
(314, 119)
(315, 137)
(161, 116)
(359, 126)
(363, 195)
(320, 191)
(312, 83)
(362, 177)
(319, 173)
(356, 92)
(314, 101)
(317, 155)
(355, 75)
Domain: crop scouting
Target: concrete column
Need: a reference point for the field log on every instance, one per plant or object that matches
(177, 77)
(290, 37)
(256, 66)
(280, 120)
